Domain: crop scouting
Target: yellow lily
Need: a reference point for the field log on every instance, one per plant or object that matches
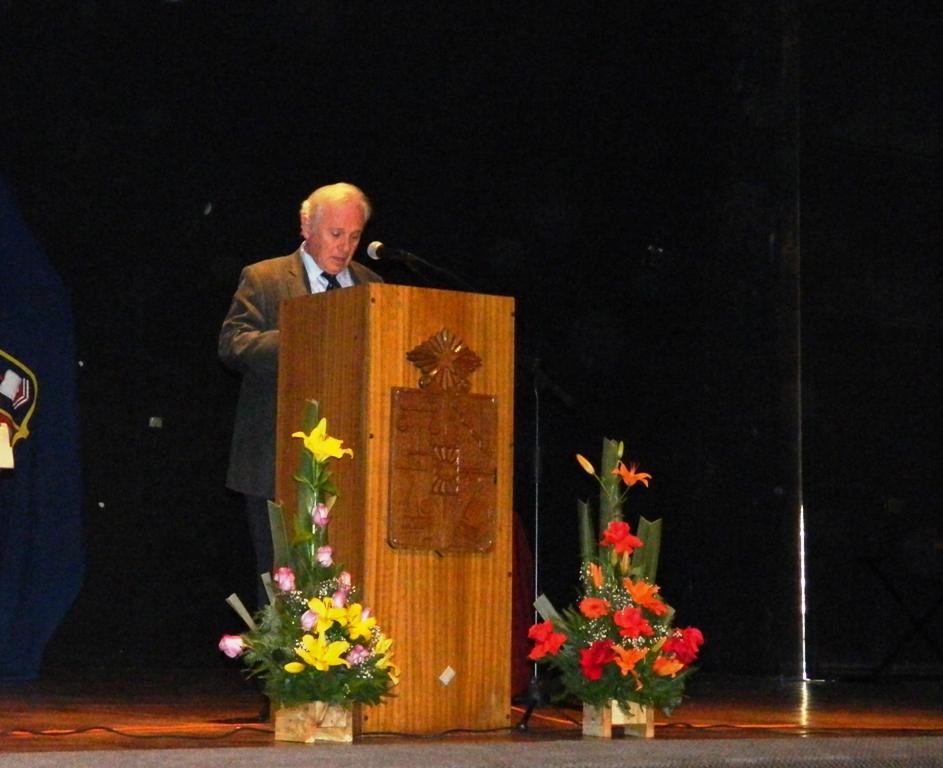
(318, 653)
(385, 663)
(321, 446)
(357, 625)
(327, 613)
(384, 654)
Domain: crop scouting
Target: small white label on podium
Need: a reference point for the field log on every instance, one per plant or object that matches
(447, 676)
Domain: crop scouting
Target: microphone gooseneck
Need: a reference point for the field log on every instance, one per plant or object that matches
(380, 252)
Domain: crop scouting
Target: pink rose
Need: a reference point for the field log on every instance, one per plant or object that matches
(308, 620)
(325, 555)
(358, 654)
(285, 578)
(320, 515)
(340, 598)
(344, 580)
(232, 645)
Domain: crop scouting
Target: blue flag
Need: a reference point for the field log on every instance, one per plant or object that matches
(41, 552)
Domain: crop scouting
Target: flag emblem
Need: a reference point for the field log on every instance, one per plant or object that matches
(18, 389)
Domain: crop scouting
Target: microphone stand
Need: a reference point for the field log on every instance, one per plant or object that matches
(535, 695)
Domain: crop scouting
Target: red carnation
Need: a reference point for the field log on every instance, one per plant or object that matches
(548, 641)
(618, 535)
(594, 658)
(684, 644)
(631, 624)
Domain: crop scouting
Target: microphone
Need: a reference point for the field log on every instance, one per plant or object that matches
(377, 251)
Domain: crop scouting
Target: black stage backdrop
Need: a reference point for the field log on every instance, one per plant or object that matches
(638, 175)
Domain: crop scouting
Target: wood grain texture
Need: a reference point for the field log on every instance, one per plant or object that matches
(347, 349)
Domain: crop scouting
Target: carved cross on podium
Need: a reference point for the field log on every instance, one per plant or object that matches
(443, 466)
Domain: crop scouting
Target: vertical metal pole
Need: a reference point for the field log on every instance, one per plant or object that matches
(791, 335)
(537, 470)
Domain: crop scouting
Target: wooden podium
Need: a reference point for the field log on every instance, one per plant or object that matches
(423, 518)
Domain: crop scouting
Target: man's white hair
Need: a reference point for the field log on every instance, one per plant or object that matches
(342, 192)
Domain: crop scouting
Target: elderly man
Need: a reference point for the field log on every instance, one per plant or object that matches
(332, 222)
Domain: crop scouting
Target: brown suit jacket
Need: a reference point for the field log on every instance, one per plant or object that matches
(248, 342)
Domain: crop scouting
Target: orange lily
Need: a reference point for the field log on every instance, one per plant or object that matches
(595, 574)
(629, 475)
(627, 658)
(643, 594)
(666, 667)
(585, 464)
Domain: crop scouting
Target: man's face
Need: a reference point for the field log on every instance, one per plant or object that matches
(331, 236)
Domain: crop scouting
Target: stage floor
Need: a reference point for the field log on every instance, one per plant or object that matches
(79, 711)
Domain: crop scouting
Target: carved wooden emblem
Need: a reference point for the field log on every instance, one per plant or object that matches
(443, 466)
(445, 362)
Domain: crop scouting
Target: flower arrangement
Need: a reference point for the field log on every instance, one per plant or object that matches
(618, 644)
(313, 641)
